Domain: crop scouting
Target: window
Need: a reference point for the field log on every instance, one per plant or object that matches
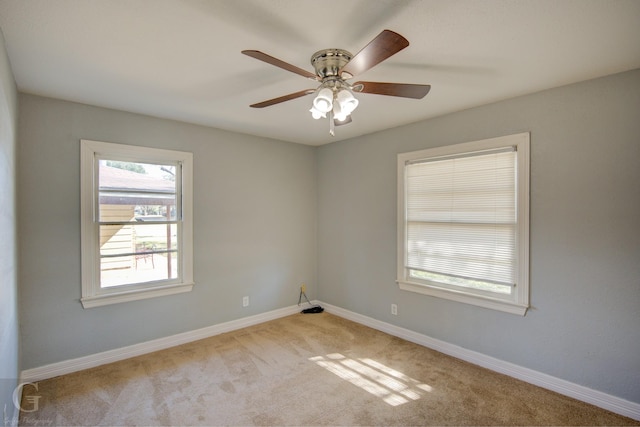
(463, 222)
(136, 221)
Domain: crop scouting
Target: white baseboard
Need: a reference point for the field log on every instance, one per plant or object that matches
(93, 360)
(585, 394)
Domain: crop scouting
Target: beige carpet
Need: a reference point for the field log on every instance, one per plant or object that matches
(305, 369)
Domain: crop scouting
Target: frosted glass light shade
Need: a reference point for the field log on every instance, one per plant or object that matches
(317, 114)
(323, 102)
(347, 101)
(338, 113)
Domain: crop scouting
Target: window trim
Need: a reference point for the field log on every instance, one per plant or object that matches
(92, 294)
(520, 301)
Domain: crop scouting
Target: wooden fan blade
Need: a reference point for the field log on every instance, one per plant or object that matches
(344, 122)
(282, 98)
(404, 90)
(279, 63)
(386, 44)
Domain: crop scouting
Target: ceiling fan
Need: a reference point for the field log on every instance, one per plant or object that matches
(333, 67)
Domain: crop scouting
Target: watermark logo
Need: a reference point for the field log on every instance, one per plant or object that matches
(28, 407)
(28, 404)
(25, 401)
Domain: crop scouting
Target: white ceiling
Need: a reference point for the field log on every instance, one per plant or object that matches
(181, 59)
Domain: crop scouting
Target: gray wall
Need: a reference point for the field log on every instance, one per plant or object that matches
(584, 324)
(9, 330)
(254, 229)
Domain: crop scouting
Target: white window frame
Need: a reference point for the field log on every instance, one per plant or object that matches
(93, 295)
(518, 302)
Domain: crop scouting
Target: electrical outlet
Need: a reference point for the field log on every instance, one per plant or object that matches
(245, 301)
(394, 309)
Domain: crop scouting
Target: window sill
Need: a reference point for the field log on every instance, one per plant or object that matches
(480, 301)
(100, 300)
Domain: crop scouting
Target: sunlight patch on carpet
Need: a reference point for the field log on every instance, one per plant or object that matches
(393, 387)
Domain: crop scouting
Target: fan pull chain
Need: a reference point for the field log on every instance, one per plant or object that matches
(332, 125)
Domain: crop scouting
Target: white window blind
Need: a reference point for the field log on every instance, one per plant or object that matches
(461, 219)
(463, 222)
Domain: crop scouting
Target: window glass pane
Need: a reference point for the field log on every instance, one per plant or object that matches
(137, 253)
(136, 269)
(134, 191)
(443, 279)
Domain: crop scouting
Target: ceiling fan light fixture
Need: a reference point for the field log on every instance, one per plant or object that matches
(323, 101)
(347, 101)
(339, 113)
(317, 114)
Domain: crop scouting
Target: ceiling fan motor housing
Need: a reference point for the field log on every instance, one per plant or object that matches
(328, 62)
